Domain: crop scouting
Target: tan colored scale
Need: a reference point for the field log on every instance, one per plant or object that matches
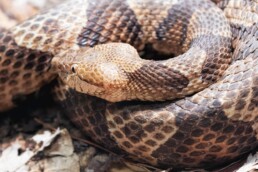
(54, 31)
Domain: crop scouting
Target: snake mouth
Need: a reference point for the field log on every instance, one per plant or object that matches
(97, 91)
(81, 85)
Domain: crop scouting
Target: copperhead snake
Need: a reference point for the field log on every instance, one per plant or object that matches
(211, 127)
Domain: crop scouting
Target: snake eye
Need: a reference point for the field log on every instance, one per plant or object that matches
(73, 69)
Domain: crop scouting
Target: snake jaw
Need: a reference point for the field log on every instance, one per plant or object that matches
(108, 92)
(97, 79)
(106, 76)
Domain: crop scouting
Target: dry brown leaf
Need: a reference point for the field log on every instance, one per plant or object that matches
(251, 164)
(12, 159)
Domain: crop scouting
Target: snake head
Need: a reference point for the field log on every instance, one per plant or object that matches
(100, 71)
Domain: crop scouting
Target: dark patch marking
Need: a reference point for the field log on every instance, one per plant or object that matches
(177, 17)
(218, 56)
(117, 23)
(202, 148)
(88, 109)
(149, 76)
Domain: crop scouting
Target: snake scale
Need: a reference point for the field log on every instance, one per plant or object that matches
(211, 127)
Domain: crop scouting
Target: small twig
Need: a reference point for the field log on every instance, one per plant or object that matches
(106, 150)
(93, 144)
(45, 125)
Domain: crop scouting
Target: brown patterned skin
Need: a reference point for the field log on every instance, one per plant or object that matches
(115, 72)
(27, 50)
(209, 128)
(22, 70)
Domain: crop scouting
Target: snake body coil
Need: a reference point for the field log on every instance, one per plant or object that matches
(213, 126)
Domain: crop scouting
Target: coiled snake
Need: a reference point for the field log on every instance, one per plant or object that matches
(213, 126)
